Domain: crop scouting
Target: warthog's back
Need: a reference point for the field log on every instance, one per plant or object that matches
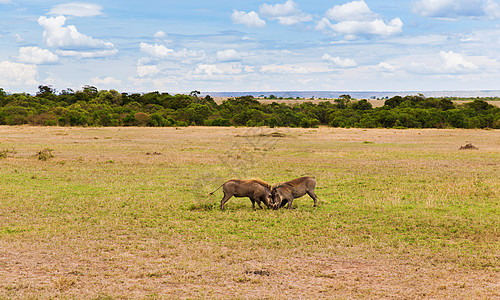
(244, 188)
(299, 186)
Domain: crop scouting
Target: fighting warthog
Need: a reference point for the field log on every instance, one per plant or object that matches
(255, 189)
(285, 192)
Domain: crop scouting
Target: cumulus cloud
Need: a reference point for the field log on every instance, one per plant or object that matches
(17, 74)
(324, 25)
(160, 34)
(212, 69)
(228, 55)
(355, 10)
(450, 9)
(161, 52)
(340, 62)
(77, 9)
(353, 29)
(105, 81)
(386, 67)
(57, 35)
(35, 55)
(250, 19)
(456, 62)
(147, 70)
(287, 13)
(356, 19)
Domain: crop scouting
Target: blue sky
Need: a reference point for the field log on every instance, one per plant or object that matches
(180, 46)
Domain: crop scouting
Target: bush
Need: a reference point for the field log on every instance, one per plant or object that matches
(219, 122)
(44, 154)
(142, 119)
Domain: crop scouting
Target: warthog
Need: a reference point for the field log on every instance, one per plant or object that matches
(255, 189)
(285, 192)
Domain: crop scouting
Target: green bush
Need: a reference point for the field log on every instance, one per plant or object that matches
(90, 107)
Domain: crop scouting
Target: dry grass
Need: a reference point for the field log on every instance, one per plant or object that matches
(374, 102)
(402, 214)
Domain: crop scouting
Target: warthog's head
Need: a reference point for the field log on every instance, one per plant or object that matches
(269, 199)
(276, 197)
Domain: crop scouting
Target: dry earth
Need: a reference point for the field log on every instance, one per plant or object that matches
(145, 263)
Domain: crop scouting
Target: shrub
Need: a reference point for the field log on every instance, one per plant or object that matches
(142, 119)
(44, 154)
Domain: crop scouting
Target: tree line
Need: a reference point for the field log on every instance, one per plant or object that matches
(91, 107)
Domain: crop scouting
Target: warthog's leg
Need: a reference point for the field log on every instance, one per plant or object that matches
(290, 201)
(283, 203)
(255, 200)
(258, 202)
(313, 196)
(264, 199)
(224, 200)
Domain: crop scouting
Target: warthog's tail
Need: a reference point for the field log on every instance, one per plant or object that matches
(312, 175)
(216, 190)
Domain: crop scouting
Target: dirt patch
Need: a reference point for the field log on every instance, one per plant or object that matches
(153, 153)
(272, 134)
(258, 272)
(469, 146)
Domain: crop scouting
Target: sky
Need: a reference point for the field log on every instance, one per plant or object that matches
(237, 46)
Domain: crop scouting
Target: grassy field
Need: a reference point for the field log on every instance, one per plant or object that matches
(110, 213)
(373, 102)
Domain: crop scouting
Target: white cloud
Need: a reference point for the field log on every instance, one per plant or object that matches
(147, 70)
(160, 34)
(17, 74)
(340, 62)
(158, 51)
(355, 10)
(162, 52)
(87, 54)
(284, 69)
(35, 55)
(286, 9)
(287, 13)
(222, 69)
(19, 38)
(249, 69)
(324, 25)
(492, 9)
(353, 29)
(77, 9)
(56, 35)
(105, 81)
(449, 8)
(356, 19)
(250, 19)
(228, 55)
(386, 67)
(456, 62)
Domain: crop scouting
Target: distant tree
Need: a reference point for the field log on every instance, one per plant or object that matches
(46, 91)
(343, 101)
(362, 105)
(90, 90)
(393, 102)
(68, 91)
(194, 94)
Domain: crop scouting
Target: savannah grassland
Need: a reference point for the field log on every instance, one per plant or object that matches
(125, 213)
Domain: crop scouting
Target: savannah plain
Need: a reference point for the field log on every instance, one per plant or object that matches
(113, 213)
